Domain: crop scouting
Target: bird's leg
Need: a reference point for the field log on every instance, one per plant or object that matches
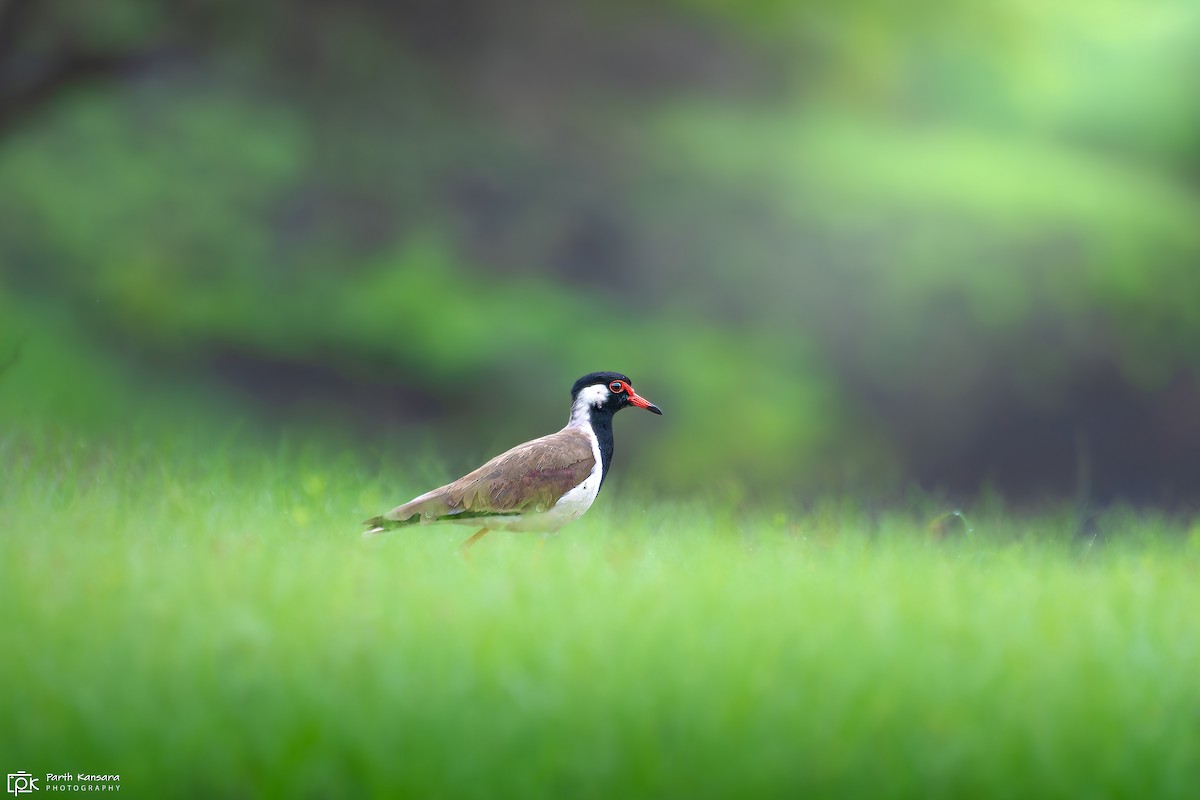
(537, 551)
(465, 547)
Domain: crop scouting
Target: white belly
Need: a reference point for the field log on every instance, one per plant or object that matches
(571, 505)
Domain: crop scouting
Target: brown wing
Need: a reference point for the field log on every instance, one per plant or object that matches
(533, 475)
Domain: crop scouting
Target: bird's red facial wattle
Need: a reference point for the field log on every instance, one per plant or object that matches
(621, 387)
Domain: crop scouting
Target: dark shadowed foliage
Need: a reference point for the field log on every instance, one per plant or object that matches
(853, 248)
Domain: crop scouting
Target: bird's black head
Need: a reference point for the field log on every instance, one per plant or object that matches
(607, 391)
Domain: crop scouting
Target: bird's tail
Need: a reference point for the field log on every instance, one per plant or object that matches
(380, 524)
(428, 507)
(374, 526)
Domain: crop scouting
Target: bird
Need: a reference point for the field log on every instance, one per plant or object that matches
(540, 485)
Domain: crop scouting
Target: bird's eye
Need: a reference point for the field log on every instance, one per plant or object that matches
(616, 387)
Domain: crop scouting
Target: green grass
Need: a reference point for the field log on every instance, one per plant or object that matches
(207, 622)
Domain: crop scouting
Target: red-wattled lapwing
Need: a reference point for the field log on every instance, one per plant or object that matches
(537, 486)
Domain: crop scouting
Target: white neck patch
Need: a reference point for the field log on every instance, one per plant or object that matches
(587, 399)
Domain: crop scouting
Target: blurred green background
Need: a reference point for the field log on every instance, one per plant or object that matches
(857, 248)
